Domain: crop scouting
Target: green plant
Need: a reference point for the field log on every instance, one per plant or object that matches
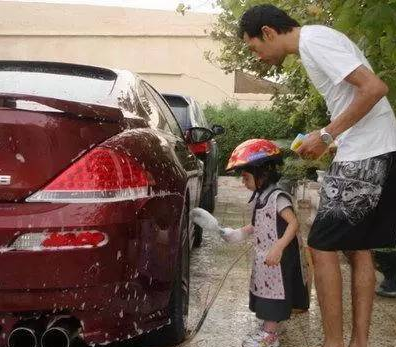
(296, 169)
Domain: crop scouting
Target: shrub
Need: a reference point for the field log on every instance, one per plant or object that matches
(297, 169)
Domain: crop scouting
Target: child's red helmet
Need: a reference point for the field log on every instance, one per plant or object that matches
(254, 152)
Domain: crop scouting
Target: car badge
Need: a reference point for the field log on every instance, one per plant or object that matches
(5, 180)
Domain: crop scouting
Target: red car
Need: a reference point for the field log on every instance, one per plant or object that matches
(96, 185)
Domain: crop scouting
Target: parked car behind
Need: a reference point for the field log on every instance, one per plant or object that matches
(96, 185)
(189, 114)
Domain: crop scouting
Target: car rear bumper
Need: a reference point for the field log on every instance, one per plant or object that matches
(116, 291)
(99, 326)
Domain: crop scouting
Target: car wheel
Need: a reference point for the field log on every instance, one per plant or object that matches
(209, 199)
(175, 332)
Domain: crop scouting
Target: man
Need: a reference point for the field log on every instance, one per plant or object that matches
(358, 189)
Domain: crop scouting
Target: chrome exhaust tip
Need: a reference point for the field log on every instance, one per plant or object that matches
(55, 337)
(22, 337)
(62, 333)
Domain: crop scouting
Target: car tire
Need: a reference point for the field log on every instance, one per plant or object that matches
(209, 199)
(175, 332)
(198, 236)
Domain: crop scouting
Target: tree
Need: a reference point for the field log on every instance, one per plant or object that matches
(182, 8)
(370, 23)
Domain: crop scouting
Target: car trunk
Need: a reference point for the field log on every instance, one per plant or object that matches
(50, 115)
(36, 146)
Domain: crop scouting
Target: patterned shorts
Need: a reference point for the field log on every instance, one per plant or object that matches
(352, 202)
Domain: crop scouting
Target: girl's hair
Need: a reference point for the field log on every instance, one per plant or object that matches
(267, 173)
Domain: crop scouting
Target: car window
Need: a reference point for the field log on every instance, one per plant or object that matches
(157, 119)
(181, 109)
(201, 119)
(197, 117)
(174, 125)
(78, 88)
(181, 114)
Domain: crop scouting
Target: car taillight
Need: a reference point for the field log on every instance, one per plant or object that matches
(200, 148)
(103, 175)
(59, 240)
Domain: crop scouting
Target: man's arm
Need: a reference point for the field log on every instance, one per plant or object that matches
(369, 90)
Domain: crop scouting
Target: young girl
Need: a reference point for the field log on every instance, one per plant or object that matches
(278, 281)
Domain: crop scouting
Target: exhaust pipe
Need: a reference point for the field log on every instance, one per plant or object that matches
(61, 333)
(26, 333)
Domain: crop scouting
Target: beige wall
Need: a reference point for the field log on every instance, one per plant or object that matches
(164, 47)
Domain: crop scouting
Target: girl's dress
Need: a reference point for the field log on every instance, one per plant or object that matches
(276, 290)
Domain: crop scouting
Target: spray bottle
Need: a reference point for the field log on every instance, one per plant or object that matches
(298, 141)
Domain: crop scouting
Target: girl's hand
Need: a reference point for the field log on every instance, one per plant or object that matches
(274, 255)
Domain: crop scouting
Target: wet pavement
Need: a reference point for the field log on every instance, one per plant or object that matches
(230, 319)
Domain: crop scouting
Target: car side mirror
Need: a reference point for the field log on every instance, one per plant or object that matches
(218, 130)
(198, 135)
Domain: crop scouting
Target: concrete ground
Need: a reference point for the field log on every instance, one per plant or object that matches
(230, 319)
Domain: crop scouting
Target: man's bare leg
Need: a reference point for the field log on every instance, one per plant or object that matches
(328, 282)
(362, 289)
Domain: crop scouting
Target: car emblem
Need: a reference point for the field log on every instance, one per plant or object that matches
(5, 180)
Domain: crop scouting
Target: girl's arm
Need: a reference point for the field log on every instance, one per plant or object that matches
(275, 254)
(236, 235)
(206, 221)
(292, 227)
(249, 229)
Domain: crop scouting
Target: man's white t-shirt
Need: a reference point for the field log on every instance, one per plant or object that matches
(329, 57)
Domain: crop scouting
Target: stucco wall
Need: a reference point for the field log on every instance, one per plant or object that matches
(164, 47)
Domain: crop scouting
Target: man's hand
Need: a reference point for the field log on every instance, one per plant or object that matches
(274, 255)
(312, 147)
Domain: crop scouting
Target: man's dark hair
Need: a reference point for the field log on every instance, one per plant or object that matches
(265, 15)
